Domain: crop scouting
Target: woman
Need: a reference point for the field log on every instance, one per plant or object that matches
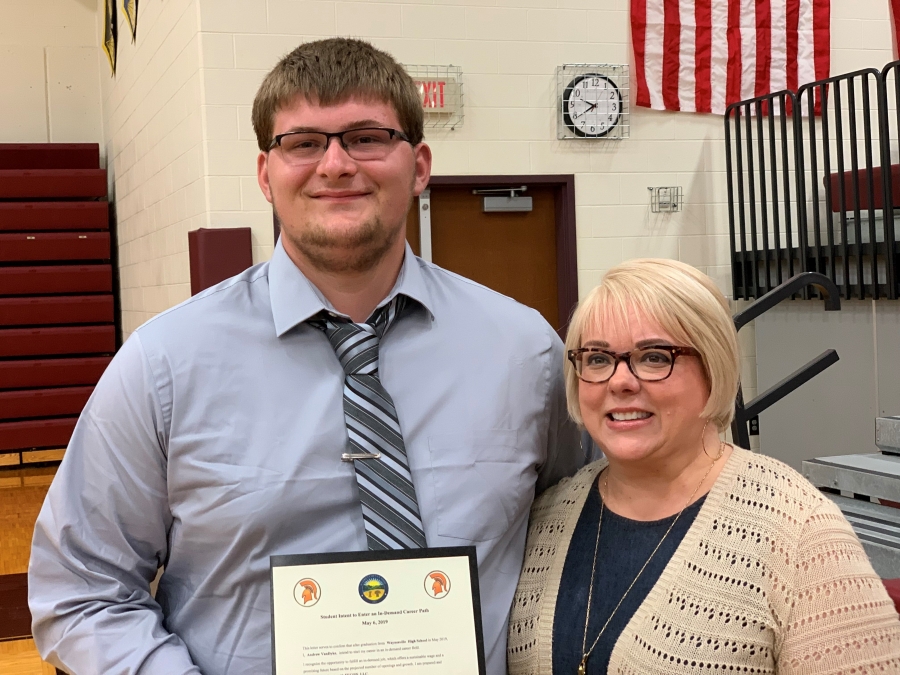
(679, 553)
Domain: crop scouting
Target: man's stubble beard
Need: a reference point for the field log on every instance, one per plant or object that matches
(356, 252)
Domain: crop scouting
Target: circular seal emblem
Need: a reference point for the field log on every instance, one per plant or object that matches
(373, 589)
(307, 592)
(437, 584)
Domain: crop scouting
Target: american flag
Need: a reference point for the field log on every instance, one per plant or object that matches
(701, 55)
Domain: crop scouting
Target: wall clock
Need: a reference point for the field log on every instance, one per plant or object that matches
(592, 105)
(593, 101)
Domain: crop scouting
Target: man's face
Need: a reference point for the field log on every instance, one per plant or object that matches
(340, 214)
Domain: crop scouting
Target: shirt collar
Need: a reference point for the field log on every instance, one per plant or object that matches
(295, 299)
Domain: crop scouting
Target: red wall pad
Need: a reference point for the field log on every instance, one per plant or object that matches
(54, 216)
(56, 279)
(43, 402)
(49, 155)
(37, 184)
(36, 434)
(56, 309)
(217, 254)
(54, 246)
(52, 372)
(47, 341)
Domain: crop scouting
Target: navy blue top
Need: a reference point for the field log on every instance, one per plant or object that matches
(624, 547)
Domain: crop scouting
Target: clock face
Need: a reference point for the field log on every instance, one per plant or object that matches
(592, 105)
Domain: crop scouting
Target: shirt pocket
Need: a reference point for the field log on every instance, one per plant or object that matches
(479, 483)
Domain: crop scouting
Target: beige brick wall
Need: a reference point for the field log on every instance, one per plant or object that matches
(154, 131)
(178, 124)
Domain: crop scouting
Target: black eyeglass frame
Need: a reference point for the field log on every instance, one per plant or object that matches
(340, 136)
(675, 352)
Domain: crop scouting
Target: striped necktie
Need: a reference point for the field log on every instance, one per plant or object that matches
(386, 492)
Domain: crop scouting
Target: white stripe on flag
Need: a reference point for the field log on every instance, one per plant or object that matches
(806, 63)
(778, 70)
(748, 49)
(719, 66)
(687, 43)
(653, 52)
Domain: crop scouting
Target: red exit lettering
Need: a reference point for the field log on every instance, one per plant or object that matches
(433, 94)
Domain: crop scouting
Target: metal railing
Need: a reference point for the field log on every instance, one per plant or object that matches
(809, 176)
(743, 413)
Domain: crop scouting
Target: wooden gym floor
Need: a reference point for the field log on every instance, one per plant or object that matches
(22, 492)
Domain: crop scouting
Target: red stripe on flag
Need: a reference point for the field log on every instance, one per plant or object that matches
(703, 55)
(733, 86)
(638, 40)
(792, 21)
(763, 47)
(671, 55)
(895, 12)
(822, 38)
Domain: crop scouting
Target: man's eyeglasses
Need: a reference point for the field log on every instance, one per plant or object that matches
(650, 364)
(309, 147)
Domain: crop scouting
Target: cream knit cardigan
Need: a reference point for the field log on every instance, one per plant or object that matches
(769, 578)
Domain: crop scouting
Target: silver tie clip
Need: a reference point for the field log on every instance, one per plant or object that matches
(350, 456)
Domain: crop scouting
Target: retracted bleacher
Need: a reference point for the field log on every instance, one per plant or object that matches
(58, 302)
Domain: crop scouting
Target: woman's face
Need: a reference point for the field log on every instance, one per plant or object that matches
(635, 421)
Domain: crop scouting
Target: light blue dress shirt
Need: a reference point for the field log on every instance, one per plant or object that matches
(214, 439)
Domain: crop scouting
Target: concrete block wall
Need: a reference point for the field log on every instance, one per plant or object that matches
(50, 88)
(154, 131)
(174, 124)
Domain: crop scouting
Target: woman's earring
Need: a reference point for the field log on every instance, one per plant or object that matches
(703, 444)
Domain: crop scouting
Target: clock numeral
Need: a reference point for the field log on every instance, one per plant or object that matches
(593, 129)
(595, 81)
(612, 107)
(577, 93)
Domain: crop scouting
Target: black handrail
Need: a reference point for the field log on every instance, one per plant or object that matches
(740, 431)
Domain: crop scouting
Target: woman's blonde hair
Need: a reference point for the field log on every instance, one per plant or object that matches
(686, 304)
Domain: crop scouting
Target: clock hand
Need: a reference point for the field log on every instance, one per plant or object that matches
(593, 105)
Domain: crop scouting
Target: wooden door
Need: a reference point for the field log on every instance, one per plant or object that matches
(513, 253)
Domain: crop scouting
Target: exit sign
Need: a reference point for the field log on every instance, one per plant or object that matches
(438, 95)
(441, 94)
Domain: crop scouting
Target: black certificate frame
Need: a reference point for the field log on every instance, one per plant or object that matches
(376, 556)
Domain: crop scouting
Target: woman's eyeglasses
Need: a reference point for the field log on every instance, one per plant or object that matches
(650, 364)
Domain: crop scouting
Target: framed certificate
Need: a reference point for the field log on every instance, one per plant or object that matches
(415, 611)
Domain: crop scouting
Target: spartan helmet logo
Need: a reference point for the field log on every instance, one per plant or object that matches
(307, 592)
(437, 584)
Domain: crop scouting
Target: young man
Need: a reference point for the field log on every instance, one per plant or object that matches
(215, 438)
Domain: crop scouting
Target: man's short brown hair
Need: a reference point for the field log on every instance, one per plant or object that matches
(329, 72)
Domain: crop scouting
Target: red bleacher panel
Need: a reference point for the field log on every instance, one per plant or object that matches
(863, 182)
(48, 341)
(16, 216)
(49, 155)
(52, 183)
(54, 246)
(22, 374)
(56, 309)
(36, 434)
(55, 279)
(43, 402)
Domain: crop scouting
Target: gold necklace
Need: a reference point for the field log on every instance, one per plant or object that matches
(586, 653)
